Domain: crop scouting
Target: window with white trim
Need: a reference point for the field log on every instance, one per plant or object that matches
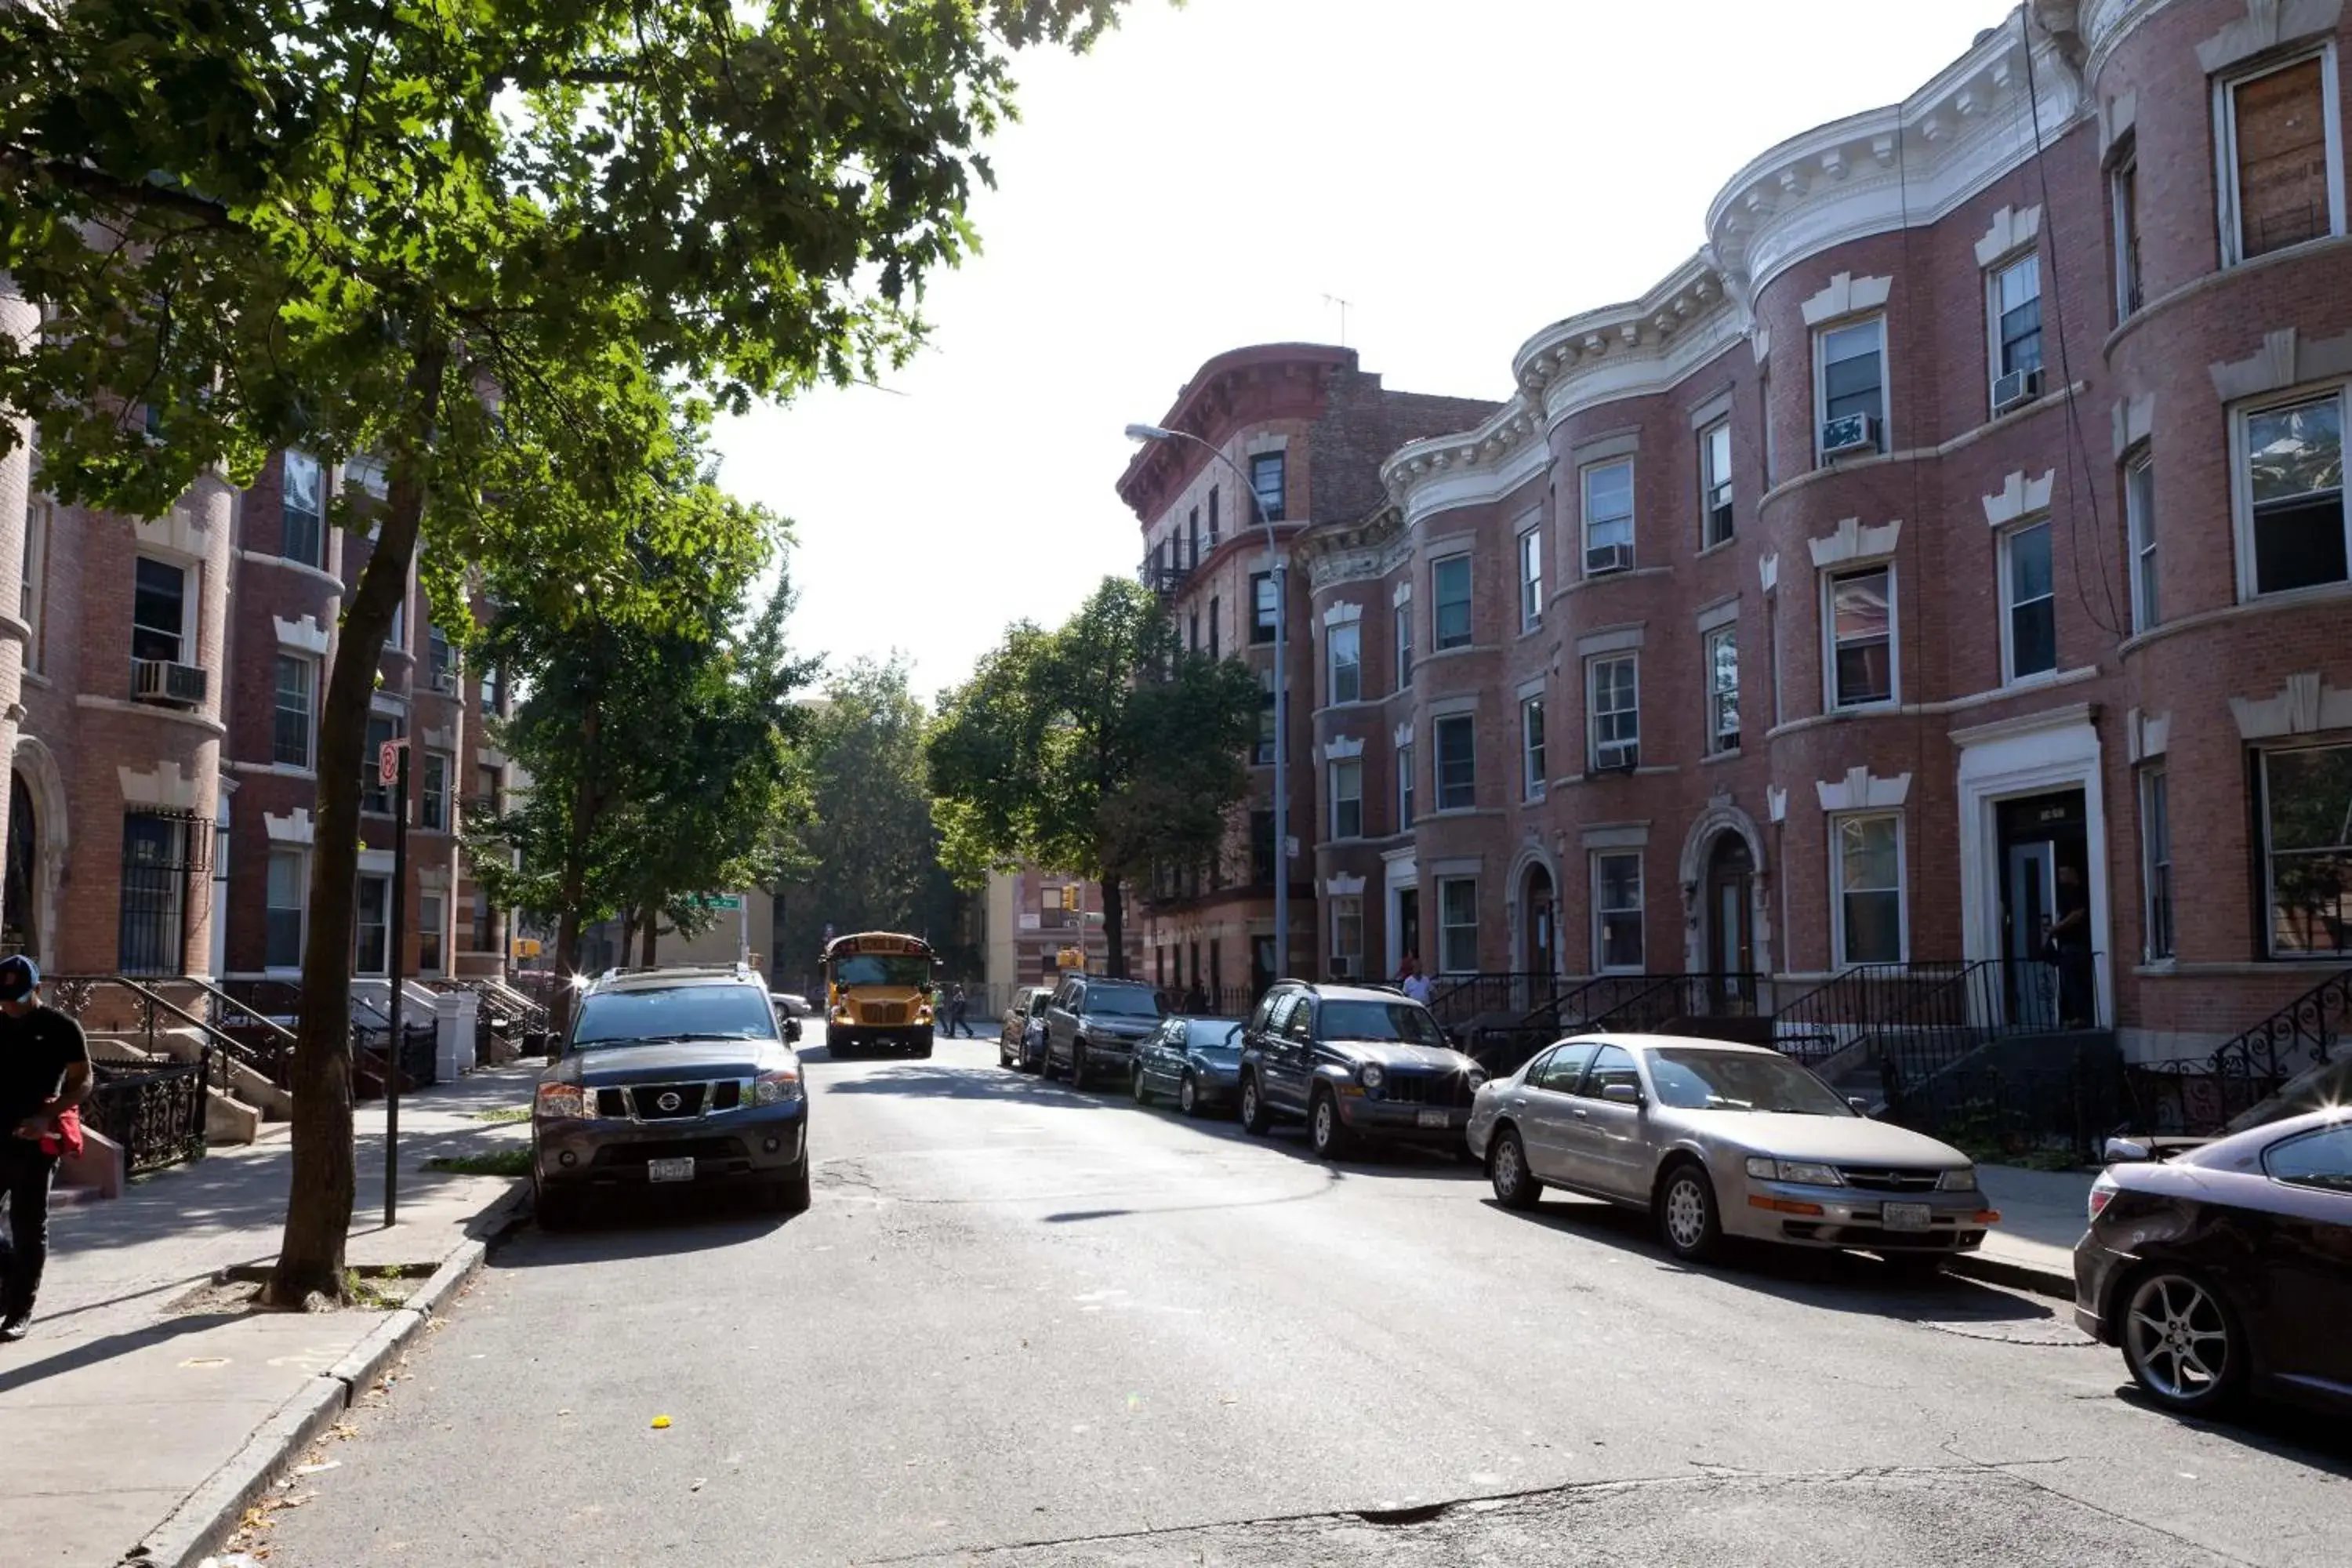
(1607, 516)
(286, 899)
(1457, 761)
(1866, 861)
(1449, 582)
(302, 509)
(1531, 579)
(1617, 912)
(2279, 139)
(1714, 484)
(163, 605)
(430, 917)
(433, 794)
(1722, 647)
(1266, 484)
(1862, 636)
(1850, 380)
(1344, 659)
(1404, 786)
(1347, 936)
(1264, 608)
(2123, 207)
(1613, 698)
(2156, 865)
(2139, 520)
(2292, 492)
(294, 717)
(1531, 747)
(1348, 798)
(1262, 754)
(372, 928)
(1457, 925)
(1404, 645)
(32, 601)
(398, 635)
(2013, 317)
(2306, 819)
(2029, 601)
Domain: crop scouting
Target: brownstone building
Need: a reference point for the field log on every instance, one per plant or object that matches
(1307, 428)
(1951, 550)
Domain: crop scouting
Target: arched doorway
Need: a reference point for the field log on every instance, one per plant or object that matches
(1730, 913)
(19, 907)
(1539, 929)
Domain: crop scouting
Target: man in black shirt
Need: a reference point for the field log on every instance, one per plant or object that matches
(43, 1069)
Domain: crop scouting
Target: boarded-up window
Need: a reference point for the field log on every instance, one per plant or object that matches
(2278, 132)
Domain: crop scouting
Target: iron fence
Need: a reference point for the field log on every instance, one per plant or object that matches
(2009, 1111)
(155, 1110)
(1458, 999)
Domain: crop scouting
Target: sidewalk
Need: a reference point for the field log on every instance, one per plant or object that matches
(152, 1406)
(2043, 1215)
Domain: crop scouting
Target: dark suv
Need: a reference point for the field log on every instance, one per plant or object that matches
(1093, 1025)
(671, 1076)
(1354, 1062)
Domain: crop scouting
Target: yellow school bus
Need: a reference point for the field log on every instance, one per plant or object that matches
(877, 993)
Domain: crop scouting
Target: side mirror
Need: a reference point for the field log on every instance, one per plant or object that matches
(1232, 1034)
(1621, 1093)
(1861, 1106)
(2123, 1151)
(791, 1031)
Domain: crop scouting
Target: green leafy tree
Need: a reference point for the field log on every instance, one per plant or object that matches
(1100, 750)
(872, 852)
(340, 225)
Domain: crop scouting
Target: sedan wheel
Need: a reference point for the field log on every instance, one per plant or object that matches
(1506, 1167)
(1188, 1096)
(1253, 1116)
(2181, 1343)
(1686, 1216)
(1135, 1087)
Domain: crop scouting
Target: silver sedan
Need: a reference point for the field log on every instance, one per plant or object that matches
(1719, 1139)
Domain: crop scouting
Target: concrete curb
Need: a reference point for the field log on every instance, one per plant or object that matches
(1996, 1270)
(189, 1534)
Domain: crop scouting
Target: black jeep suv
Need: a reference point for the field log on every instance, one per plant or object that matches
(1353, 1061)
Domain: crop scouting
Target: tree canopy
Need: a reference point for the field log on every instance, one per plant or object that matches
(1100, 749)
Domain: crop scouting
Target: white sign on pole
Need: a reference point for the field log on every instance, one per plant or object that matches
(387, 762)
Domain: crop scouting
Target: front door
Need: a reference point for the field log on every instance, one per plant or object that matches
(1408, 916)
(2032, 882)
(1731, 935)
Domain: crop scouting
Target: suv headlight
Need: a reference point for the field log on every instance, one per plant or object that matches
(562, 1101)
(1371, 1076)
(1961, 1179)
(779, 1087)
(1804, 1172)
(1476, 1078)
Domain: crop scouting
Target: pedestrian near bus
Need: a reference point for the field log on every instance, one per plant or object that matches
(959, 1013)
(44, 1074)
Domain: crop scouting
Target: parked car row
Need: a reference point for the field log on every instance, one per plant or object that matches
(2225, 1271)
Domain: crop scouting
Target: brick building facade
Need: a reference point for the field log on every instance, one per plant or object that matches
(1956, 542)
(1306, 429)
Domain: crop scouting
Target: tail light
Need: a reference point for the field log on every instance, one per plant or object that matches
(2103, 1192)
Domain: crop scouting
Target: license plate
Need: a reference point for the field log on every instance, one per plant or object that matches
(1908, 1216)
(1432, 1119)
(669, 1170)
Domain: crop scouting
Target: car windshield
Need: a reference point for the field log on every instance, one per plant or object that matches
(674, 1012)
(1727, 1080)
(1125, 1001)
(882, 969)
(1398, 1020)
(1212, 1034)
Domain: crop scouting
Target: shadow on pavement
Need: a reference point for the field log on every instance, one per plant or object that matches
(1834, 1281)
(943, 1081)
(627, 1223)
(2289, 1432)
(89, 1352)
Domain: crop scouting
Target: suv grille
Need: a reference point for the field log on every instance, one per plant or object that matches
(1880, 1179)
(668, 1101)
(1447, 1089)
(882, 1013)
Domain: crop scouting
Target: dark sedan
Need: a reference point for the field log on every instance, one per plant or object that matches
(2228, 1270)
(1197, 1060)
(1020, 1039)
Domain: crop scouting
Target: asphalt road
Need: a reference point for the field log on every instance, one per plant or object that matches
(1025, 1326)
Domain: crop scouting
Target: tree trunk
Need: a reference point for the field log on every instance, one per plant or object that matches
(652, 930)
(1114, 926)
(324, 1179)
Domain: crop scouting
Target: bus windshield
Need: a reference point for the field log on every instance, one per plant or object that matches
(882, 969)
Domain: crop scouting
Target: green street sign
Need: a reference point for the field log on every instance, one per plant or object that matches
(728, 901)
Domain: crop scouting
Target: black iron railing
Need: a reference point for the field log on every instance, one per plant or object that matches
(2300, 1036)
(1946, 1018)
(415, 1061)
(1459, 999)
(155, 1110)
(76, 994)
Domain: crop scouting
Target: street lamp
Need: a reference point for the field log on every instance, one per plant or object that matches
(1281, 688)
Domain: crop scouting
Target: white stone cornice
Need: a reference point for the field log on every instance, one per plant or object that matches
(2145, 735)
(1402, 735)
(1342, 613)
(1343, 887)
(306, 634)
(2134, 420)
(2020, 496)
(1340, 748)
(1851, 541)
(2305, 705)
(163, 787)
(1862, 790)
(2013, 229)
(1768, 571)
(182, 533)
(1776, 802)
(1846, 295)
(294, 827)
(2266, 25)
(2284, 359)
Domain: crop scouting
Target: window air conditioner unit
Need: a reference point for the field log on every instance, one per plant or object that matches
(161, 680)
(2016, 389)
(1616, 759)
(1850, 432)
(1603, 559)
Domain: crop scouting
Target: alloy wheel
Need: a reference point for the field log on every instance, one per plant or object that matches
(2178, 1340)
(1513, 1187)
(1685, 1214)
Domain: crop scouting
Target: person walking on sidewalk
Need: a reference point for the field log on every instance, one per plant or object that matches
(1412, 981)
(44, 1072)
(959, 1013)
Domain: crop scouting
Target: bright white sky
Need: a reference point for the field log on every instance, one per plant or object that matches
(1461, 173)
